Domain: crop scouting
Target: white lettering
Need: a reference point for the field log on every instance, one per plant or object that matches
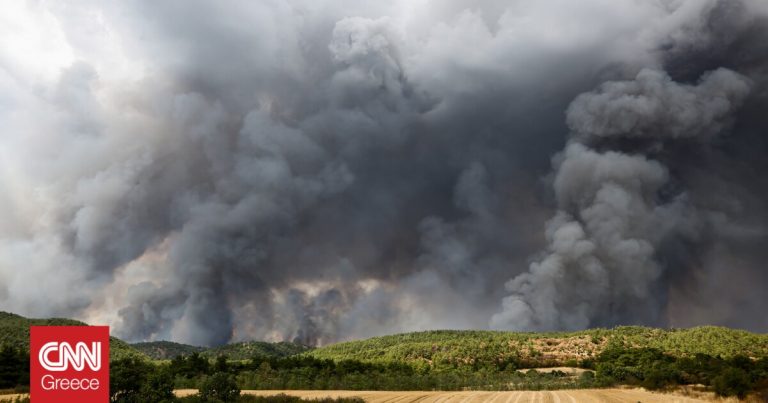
(50, 383)
(77, 357)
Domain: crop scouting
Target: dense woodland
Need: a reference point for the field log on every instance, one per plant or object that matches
(728, 362)
(459, 348)
(646, 367)
(162, 350)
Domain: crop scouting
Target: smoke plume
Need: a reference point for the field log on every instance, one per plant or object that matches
(601, 266)
(290, 170)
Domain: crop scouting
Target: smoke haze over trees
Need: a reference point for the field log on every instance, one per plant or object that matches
(290, 170)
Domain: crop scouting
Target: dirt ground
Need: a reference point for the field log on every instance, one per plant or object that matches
(558, 396)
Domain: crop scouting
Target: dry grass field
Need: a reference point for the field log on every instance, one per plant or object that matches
(557, 396)
(553, 396)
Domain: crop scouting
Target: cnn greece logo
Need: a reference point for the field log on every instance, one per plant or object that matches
(77, 357)
(69, 364)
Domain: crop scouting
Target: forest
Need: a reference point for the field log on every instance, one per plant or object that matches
(134, 379)
(726, 361)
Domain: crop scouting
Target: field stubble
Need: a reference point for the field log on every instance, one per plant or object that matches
(553, 396)
(615, 395)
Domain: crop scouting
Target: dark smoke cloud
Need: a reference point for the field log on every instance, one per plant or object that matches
(602, 262)
(318, 172)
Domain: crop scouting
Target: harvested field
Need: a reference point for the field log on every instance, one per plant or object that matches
(555, 396)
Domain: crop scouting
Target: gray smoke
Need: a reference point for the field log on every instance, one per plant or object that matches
(290, 170)
(602, 263)
(654, 107)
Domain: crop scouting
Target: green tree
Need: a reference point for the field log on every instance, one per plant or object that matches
(732, 382)
(13, 367)
(158, 387)
(221, 364)
(219, 387)
(126, 379)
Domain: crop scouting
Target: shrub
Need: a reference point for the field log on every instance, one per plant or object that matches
(586, 379)
(219, 387)
(135, 380)
(732, 382)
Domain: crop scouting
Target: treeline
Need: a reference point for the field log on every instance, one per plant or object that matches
(470, 347)
(652, 369)
(646, 367)
(303, 372)
(133, 380)
(14, 369)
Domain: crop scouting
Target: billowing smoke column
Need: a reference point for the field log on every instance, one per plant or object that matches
(290, 170)
(602, 263)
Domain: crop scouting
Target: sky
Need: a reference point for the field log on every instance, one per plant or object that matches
(209, 172)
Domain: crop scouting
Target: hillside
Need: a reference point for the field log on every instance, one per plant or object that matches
(711, 357)
(165, 350)
(459, 348)
(444, 348)
(14, 331)
(247, 350)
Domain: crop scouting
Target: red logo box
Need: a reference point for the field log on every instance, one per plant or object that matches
(69, 364)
